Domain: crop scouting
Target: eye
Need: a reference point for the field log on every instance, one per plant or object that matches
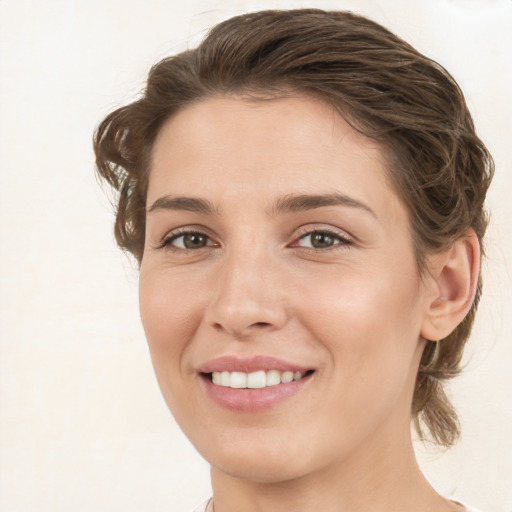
(186, 240)
(322, 239)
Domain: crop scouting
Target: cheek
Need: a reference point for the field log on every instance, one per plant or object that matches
(368, 323)
(368, 319)
(361, 294)
(170, 315)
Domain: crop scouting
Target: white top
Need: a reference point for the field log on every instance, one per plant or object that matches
(203, 506)
(469, 509)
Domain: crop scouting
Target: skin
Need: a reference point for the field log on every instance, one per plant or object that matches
(354, 309)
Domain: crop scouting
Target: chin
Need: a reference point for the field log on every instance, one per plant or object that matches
(259, 455)
(258, 467)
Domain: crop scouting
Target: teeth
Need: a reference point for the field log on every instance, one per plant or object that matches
(254, 380)
(273, 378)
(286, 377)
(238, 380)
(225, 378)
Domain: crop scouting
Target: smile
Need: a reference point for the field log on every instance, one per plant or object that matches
(252, 384)
(254, 380)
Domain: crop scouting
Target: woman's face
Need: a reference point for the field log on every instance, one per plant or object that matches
(276, 248)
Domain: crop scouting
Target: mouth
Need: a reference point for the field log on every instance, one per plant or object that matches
(254, 383)
(255, 380)
(242, 392)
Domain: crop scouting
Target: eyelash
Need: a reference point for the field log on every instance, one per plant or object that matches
(342, 240)
(166, 243)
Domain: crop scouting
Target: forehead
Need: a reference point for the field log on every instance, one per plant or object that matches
(232, 147)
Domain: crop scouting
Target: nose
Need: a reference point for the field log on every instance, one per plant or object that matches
(249, 299)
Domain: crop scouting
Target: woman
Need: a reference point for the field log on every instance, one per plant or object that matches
(304, 194)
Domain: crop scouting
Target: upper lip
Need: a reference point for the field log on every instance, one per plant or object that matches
(250, 364)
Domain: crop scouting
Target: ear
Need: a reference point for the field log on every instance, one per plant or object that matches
(452, 287)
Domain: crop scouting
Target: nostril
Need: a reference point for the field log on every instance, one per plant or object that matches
(240, 329)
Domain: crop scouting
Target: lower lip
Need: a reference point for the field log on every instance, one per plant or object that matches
(252, 400)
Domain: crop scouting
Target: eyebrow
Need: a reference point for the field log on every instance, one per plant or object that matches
(189, 204)
(304, 202)
(286, 204)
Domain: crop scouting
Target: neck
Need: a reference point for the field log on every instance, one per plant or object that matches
(373, 479)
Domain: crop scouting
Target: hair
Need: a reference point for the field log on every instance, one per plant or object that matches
(382, 86)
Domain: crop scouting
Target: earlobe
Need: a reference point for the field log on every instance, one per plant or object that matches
(454, 275)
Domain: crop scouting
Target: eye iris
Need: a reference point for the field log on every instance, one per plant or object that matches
(321, 240)
(194, 240)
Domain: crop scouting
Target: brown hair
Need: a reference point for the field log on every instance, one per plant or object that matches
(381, 85)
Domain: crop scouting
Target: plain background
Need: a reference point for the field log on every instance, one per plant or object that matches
(83, 426)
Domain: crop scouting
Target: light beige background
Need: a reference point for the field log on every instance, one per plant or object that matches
(82, 425)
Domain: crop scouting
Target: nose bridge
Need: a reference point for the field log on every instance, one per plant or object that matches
(249, 297)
